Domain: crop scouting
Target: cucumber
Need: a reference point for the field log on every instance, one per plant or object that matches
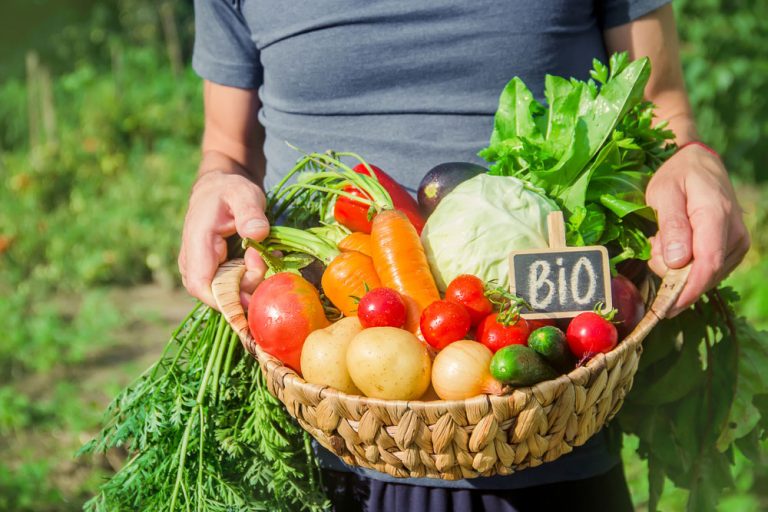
(519, 365)
(551, 344)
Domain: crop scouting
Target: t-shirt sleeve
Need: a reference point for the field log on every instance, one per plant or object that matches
(224, 52)
(613, 13)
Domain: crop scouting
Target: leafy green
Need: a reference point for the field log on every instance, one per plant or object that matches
(204, 433)
(701, 391)
(592, 149)
(700, 387)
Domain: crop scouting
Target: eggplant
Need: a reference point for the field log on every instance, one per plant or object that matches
(313, 272)
(441, 179)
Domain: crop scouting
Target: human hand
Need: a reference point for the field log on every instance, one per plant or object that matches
(699, 219)
(221, 204)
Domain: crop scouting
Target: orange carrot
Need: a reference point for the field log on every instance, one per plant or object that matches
(399, 260)
(346, 280)
(357, 241)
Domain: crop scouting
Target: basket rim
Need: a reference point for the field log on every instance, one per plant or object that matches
(226, 291)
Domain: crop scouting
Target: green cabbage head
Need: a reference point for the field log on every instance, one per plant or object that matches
(477, 225)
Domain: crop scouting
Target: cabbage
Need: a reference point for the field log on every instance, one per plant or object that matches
(477, 225)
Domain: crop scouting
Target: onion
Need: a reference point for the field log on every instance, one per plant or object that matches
(462, 370)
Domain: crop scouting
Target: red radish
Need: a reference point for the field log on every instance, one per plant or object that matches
(381, 307)
(444, 322)
(469, 291)
(495, 335)
(589, 334)
(283, 310)
(628, 303)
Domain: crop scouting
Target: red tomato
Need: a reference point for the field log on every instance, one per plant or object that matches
(351, 213)
(283, 310)
(628, 303)
(495, 335)
(469, 291)
(589, 334)
(381, 307)
(444, 322)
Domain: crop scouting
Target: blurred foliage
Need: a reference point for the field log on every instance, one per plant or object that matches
(726, 69)
(67, 33)
(102, 204)
(99, 202)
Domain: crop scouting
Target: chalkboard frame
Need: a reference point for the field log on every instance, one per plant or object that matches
(571, 313)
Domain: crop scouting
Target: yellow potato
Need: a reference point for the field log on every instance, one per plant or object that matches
(324, 355)
(389, 363)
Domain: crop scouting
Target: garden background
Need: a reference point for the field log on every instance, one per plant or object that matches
(100, 119)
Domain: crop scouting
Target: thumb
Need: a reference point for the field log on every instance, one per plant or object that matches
(674, 227)
(250, 221)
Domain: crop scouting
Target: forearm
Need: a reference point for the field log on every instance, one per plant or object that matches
(655, 36)
(233, 140)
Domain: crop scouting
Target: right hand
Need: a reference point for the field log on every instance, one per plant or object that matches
(221, 204)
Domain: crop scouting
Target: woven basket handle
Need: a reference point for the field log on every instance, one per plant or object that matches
(226, 291)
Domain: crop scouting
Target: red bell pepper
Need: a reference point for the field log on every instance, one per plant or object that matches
(354, 215)
(351, 213)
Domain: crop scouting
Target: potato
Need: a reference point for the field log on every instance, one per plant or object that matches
(324, 355)
(389, 363)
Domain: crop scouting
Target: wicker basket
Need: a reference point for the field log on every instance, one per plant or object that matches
(481, 436)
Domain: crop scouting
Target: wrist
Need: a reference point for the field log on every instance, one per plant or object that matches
(700, 144)
(216, 162)
(211, 178)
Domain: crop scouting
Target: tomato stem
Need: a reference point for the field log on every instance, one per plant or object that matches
(508, 303)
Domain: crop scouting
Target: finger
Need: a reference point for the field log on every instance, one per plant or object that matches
(656, 263)
(738, 249)
(255, 273)
(245, 300)
(248, 212)
(731, 262)
(675, 231)
(203, 258)
(182, 263)
(710, 235)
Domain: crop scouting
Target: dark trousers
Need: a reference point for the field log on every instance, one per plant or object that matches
(349, 492)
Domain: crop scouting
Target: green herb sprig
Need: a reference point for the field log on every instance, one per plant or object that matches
(204, 433)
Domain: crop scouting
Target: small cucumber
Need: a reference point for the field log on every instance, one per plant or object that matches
(551, 344)
(519, 365)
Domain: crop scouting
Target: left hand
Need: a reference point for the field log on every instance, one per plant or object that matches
(699, 219)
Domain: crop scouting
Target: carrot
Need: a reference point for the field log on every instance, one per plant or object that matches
(347, 278)
(399, 259)
(357, 241)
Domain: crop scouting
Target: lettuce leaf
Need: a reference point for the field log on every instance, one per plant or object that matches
(592, 149)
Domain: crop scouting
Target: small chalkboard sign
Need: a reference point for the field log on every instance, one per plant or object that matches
(561, 281)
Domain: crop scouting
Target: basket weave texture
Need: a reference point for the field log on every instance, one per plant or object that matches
(481, 436)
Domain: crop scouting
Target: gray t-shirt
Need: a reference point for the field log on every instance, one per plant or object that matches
(407, 85)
